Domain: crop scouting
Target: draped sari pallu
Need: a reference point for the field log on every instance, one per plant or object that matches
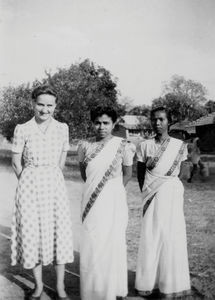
(98, 177)
(103, 260)
(162, 262)
(154, 181)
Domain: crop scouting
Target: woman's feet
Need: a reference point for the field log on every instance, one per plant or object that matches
(37, 293)
(65, 297)
(61, 294)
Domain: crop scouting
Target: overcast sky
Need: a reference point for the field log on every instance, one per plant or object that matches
(141, 42)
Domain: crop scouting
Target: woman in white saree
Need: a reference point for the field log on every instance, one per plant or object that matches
(162, 265)
(106, 167)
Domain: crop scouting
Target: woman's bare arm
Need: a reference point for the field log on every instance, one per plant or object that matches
(17, 163)
(62, 159)
(127, 174)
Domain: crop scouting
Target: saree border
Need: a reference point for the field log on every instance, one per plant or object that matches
(103, 181)
(93, 154)
(152, 162)
(176, 160)
(173, 295)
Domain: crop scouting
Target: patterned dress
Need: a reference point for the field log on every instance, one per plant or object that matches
(41, 225)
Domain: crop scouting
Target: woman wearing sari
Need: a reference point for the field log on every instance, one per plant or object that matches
(106, 167)
(162, 265)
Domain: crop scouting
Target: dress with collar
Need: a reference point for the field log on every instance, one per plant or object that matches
(41, 226)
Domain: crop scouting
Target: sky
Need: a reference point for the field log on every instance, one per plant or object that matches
(143, 43)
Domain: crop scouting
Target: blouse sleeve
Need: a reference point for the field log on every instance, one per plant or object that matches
(65, 137)
(18, 140)
(81, 151)
(128, 154)
(141, 152)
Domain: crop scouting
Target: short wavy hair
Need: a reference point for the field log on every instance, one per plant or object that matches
(44, 90)
(164, 109)
(98, 111)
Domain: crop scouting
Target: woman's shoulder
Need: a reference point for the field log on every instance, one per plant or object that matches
(177, 141)
(60, 125)
(24, 126)
(147, 143)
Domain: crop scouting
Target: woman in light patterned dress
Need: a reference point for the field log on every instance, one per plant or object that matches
(106, 167)
(41, 227)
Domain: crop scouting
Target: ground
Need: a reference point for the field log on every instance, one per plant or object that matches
(199, 212)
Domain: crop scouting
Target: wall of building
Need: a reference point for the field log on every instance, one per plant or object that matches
(206, 135)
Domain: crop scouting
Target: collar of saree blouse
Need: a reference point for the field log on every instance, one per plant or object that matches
(100, 165)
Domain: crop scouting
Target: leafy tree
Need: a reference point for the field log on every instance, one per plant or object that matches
(126, 104)
(191, 89)
(80, 87)
(15, 107)
(181, 107)
(141, 110)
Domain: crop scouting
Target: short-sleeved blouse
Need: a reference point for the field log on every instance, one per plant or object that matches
(40, 148)
(149, 148)
(85, 148)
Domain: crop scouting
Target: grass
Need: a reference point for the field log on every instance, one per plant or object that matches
(199, 211)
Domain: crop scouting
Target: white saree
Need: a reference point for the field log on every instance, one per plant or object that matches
(162, 263)
(103, 260)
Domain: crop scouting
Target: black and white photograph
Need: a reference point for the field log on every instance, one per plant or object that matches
(107, 149)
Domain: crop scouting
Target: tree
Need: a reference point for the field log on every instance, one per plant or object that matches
(191, 89)
(126, 104)
(180, 106)
(80, 87)
(15, 107)
(141, 110)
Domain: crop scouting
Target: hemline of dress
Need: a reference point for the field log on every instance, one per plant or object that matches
(43, 263)
(165, 295)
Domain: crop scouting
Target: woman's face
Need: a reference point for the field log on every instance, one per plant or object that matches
(44, 107)
(103, 126)
(160, 122)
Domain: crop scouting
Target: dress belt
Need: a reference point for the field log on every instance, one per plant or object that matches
(41, 166)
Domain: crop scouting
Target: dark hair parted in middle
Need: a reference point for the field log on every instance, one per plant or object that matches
(99, 111)
(161, 108)
(42, 90)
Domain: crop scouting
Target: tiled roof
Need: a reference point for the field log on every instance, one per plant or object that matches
(179, 125)
(205, 120)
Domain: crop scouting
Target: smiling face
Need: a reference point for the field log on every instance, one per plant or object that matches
(159, 122)
(44, 107)
(103, 126)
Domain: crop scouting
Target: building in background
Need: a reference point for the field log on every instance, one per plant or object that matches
(130, 126)
(205, 130)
